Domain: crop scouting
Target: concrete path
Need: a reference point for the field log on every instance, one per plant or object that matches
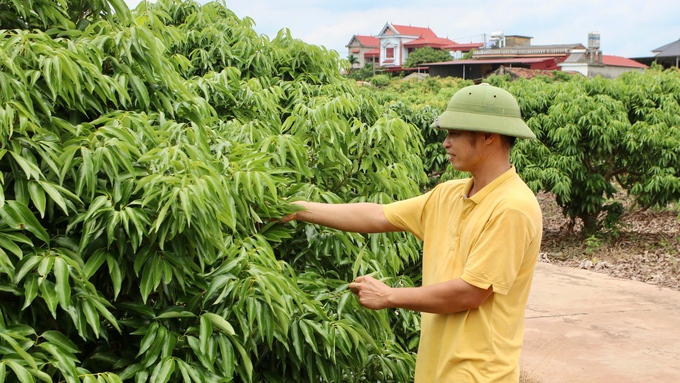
(587, 327)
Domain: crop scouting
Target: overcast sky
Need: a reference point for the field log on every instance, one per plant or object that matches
(630, 28)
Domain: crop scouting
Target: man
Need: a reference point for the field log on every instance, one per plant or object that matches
(481, 241)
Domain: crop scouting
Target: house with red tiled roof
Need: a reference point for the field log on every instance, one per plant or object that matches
(391, 47)
(364, 48)
(397, 41)
(606, 66)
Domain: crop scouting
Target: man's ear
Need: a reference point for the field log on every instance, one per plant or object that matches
(491, 137)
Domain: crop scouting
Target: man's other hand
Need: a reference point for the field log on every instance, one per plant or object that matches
(372, 293)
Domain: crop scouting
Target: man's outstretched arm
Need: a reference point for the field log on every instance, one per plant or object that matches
(441, 298)
(355, 217)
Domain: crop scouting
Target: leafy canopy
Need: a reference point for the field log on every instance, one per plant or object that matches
(426, 55)
(596, 137)
(141, 157)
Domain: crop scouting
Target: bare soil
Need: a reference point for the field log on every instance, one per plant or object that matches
(527, 377)
(646, 248)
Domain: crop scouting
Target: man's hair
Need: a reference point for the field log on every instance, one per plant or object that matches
(508, 141)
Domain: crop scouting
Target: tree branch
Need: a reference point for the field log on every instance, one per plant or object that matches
(615, 172)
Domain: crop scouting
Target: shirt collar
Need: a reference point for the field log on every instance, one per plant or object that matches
(479, 196)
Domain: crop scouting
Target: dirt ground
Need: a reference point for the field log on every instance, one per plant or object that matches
(646, 249)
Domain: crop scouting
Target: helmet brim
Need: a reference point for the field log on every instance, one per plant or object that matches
(475, 122)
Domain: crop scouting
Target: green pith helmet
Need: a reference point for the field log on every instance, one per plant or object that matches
(484, 108)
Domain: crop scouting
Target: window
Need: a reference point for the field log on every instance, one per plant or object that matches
(389, 53)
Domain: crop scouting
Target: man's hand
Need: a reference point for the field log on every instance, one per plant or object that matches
(372, 293)
(288, 218)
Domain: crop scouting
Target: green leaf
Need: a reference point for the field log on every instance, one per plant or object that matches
(29, 169)
(40, 375)
(228, 358)
(23, 375)
(176, 314)
(49, 294)
(116, 275)
(37, 196)
(62, 286)
(247, 362)
(130, 371)
(30, 290)
(29, 263)
(146, 284)
(139, 308)
(26, 356)
(148, 339)
(357, 263)
(106, 314)
(220, 323)
(94, 262)
(6, 243)
(205, 333)
(61, 341)
(163, 371)
(18, 216)
(91, 315)
(55, 195)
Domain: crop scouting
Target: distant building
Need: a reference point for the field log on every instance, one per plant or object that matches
(666, 56)
(364, 48)
(517, 51)
(397, 41)
(473, 69)
(391, 47)
(591, 62)
(517, 41)
(458, 50)
(559, 52)
(606, 66)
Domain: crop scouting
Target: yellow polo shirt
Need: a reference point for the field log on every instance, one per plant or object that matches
(490, 239)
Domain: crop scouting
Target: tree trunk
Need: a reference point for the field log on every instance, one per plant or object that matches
(590, 224)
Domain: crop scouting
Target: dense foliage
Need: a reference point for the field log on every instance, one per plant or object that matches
(598, 136)
(595, 137)
(362, 74)
(426, 55)
(142, 156)
(419, 103)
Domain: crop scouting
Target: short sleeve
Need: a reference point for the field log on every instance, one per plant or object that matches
(497, 255)
(409, 214)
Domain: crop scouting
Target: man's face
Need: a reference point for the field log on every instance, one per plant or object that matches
(463, 151)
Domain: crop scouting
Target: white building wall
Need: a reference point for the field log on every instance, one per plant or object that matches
(395, 43)
(581, 68)
(592, 71)
(611, 71)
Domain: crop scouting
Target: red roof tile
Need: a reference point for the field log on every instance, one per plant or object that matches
(368, 41)
(373, 53)
(414, 31)
(429, 41)
(621, 61)
(388, 61)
